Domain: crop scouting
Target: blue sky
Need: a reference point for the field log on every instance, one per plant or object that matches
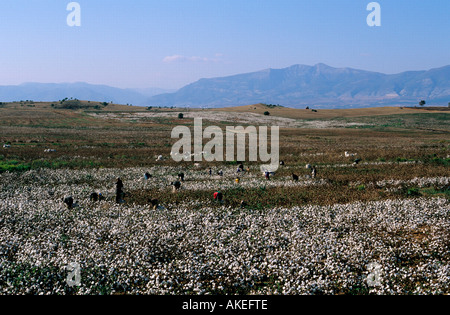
(170, 43)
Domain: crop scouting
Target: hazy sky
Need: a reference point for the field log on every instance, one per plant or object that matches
(170, 43)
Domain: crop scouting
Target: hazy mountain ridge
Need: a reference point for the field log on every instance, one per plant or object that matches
(318, 85)
(83, 91)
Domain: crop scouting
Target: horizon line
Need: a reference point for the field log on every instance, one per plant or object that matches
(215, 77)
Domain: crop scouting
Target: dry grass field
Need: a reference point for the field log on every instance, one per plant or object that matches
(328, 113)
(392, 208)
(124, 136)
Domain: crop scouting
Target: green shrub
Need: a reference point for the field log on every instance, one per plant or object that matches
(413, 192)
(13, 166)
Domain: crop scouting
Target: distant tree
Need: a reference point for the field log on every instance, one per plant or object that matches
(70, 104)
(422, 103)
(448, 104)
(267, 113)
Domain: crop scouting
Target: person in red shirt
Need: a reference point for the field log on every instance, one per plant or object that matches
(218, 196)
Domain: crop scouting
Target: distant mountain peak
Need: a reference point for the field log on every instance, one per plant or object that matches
(323, 66)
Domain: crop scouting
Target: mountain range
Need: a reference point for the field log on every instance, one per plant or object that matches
(319, 86)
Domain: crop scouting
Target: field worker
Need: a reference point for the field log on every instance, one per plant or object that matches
(181, 176)
(154, 203)
(210, 171)
(68, 201)
(314, 172)
(220, 173)
(237, 180)
(147, 176)
(119, 191)
(176, 185)
(94, 197)
(267, 175)
(218, 196)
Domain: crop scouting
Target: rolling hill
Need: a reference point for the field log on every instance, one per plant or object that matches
(50, 92)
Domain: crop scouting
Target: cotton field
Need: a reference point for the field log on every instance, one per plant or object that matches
(396, 246)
